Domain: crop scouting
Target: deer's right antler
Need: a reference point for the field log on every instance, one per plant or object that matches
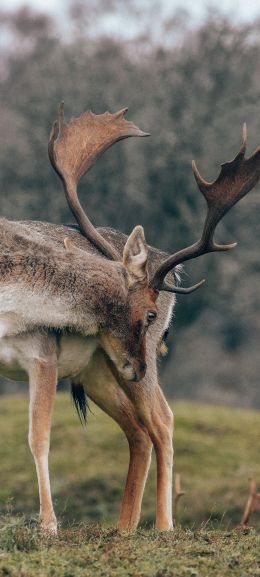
(74, 148)
(235, 180)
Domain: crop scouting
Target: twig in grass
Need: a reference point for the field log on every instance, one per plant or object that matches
(252, 504)
(177, 495)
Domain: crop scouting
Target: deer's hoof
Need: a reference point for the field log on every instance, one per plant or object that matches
(49, 528)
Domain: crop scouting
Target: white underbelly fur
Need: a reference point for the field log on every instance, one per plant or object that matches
(17, 353)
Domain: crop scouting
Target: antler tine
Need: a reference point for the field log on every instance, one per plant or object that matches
(237, 177)
(203, 185)
(74, 148)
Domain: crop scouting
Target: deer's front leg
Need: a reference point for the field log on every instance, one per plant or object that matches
(43, 382)
(102, 387)
(161, 433)
(155, 413)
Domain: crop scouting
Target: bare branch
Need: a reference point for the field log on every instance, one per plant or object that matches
(251, 505)
(178, 493)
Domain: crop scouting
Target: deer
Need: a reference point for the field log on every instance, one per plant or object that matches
(93, 305)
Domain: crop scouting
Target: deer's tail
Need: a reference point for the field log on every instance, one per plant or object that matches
(80, 401)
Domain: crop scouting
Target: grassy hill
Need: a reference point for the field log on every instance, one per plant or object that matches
(216, 450)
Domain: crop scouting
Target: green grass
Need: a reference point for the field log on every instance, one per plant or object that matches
(216, 450)
(93, 552)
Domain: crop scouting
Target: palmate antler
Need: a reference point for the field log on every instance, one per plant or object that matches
(235, 180)
(74, 148)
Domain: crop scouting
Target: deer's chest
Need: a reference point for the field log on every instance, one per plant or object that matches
(74, 354)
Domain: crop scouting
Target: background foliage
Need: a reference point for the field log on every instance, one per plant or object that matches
(192, 89)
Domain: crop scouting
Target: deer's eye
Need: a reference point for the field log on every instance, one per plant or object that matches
(151, 316)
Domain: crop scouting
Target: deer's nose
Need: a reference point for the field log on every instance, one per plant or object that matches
(142, 367)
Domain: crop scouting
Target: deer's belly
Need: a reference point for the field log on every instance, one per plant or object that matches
(17, 354)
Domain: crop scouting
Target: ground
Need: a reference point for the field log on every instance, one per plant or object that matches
(215, 453)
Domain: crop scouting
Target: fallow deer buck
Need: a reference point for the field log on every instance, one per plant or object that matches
(84, 311)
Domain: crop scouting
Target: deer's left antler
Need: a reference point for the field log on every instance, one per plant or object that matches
(235, 180)
(73, 149)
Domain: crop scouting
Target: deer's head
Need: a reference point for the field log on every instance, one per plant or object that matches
(116, 294)
(131, 311)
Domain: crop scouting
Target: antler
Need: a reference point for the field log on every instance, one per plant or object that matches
(235, 180)
(74, 147)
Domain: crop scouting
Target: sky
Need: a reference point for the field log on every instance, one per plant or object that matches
(245, 11)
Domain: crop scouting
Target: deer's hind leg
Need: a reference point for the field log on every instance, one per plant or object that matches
(102, 387)
(43, 382)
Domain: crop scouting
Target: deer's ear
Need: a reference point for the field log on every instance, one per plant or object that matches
(70, 246)
(135, 256)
